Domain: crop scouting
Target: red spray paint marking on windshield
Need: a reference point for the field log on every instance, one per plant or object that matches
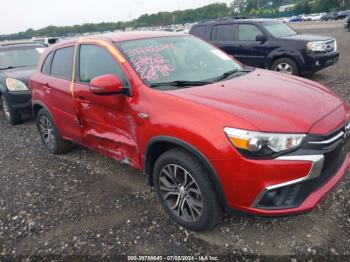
(149, 63)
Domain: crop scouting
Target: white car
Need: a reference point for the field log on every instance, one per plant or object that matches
(312, 17)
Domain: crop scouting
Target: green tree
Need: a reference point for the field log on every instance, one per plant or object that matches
(238, 7)
(302, 7)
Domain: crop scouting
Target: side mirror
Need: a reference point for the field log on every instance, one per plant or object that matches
(261, 38)
(106, 85)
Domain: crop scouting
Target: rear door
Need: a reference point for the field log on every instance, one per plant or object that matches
(200, 31)
(56, 84)
(107, 121)
(248, 50)
(224, 36)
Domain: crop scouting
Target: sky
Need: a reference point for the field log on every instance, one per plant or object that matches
(19, 15)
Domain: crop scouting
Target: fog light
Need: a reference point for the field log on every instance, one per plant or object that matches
(318, 63)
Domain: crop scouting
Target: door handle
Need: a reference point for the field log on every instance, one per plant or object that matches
(83, 99)
(47, 86)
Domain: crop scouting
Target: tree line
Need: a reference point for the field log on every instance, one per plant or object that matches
(217, 10)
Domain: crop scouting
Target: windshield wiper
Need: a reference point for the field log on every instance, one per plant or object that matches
(9, 67)
(181, 83)
(229, 73)
(13, 67)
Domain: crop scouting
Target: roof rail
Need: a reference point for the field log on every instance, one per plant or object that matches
(224, 18)
(10, 43)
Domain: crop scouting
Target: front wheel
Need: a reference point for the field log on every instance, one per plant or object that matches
(185, 191)
(12, 116)
(285, 66)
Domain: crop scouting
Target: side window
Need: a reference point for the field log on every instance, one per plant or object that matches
(97, 61)
(47, 64)
(248, 32)
(199, 31)
(224, 32)
(62, 63)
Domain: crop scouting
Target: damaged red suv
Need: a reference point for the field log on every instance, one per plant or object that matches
(211, 135)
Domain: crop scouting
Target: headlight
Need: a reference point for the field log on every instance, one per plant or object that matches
(316, 46)
(262, 144)
(15, 85)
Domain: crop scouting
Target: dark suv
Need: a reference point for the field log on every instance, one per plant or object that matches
(270, 44)
(347, 23)
(18, 61)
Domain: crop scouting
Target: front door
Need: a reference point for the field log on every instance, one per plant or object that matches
(107, 121)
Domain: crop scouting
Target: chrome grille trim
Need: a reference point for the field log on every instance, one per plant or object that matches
(331, 140)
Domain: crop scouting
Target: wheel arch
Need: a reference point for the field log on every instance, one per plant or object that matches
(159, 145)
(37, 106)
(291, 54)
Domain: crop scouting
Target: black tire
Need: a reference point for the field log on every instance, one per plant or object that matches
(211, 211)
(50, 135)
(12, 116)
(283, 64)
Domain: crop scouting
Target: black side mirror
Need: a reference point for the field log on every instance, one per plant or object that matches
(261, 38)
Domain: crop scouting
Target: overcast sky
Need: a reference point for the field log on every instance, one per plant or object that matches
(19, 15)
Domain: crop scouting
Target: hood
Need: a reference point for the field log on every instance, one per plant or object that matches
(308, 38)
(270, 101)
(22, 73)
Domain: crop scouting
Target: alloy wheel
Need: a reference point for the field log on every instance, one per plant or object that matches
(47, 132)
(181, 193)
(284, 68)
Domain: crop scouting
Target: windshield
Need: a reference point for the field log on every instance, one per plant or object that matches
(184, 59)
(19, 57)
(279, 30)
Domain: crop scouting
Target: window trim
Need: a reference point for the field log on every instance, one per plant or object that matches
(263, 33)
(52, 53)
(59, 77)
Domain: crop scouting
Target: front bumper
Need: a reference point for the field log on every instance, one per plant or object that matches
(19, 100)
(290, 184)
(316, 62)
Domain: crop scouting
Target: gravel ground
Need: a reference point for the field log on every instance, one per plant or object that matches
(85, 204)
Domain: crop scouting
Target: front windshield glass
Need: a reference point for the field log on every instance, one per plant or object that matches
(19, 57)
(279, 30)
(177, 58)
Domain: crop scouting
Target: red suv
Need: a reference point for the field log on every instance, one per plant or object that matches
(210, 134)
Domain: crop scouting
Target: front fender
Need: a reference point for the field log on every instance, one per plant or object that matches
(3, 88)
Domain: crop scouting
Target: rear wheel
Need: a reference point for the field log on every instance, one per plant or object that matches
(185, 191)
(12, 116)
(50, 135)
(286, 66)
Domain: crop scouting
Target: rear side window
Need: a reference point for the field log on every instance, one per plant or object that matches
(62, 63)
(248, 32)
(199, 31)
(224, 32)
(97, 61)
(47, 64)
